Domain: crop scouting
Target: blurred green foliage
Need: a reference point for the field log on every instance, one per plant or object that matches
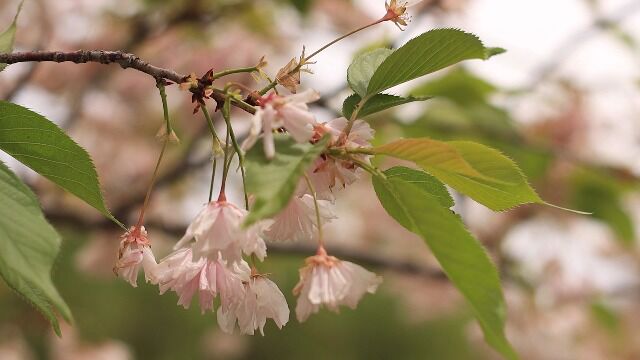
(597, 191)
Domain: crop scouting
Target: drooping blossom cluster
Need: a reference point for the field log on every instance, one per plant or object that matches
(325, 280)
(208, 262)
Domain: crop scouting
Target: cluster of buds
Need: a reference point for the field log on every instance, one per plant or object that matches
(201, 88)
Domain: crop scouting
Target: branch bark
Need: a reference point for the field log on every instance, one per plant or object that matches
(125, 60)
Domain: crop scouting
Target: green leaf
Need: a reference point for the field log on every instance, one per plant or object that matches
(427, 53)
(462, 258)
(274, 181)
(44, 147)
(8, 36)
(362, 68)
(376, 103)
(480, 172)
(423, 181)
(493, 51)
(28, 248)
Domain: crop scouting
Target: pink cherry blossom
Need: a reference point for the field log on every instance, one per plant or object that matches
(297, 222)
(397, 12)
(133, 255)
(217, 229)
(288, 112)
(328, 281)
(179, 272)
(329, 173)
(262, 300)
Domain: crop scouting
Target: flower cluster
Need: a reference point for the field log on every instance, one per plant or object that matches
(209, 259)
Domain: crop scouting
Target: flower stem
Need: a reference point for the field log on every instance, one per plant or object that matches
(226, 114)
(214, 165)
(369, 168)
(352, 119)
(317, 207)
(234, 71)
(225, 168)
(212, 129)
(165, 108)
(215, 140)
(343, 37)
(306, 59)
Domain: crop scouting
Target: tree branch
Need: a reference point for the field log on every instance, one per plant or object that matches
(125, 60)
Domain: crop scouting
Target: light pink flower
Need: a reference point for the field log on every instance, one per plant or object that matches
(180, 273)
(297, 222)
(328, 281)
(397, 12)
(217, 230)
(262, 300)
(289, 112)
(328, 173)
(134, 254)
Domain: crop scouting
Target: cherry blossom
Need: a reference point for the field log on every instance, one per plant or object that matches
(328, 281)
(262, 300)
(217, 229)
(288, 112)
(297, 222)
(397, 12)
(181, 273)
(328, 172)
(134, 254)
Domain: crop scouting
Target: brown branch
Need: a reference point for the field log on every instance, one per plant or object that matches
(125, 60)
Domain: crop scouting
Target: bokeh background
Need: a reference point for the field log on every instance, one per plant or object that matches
(564, 102)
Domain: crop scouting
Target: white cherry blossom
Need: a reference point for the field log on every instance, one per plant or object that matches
(329, 173)
(330, 282)
(297, 222)
(181, 273)
(217, 229)
(135, 254)
(288, 112)
(262, 300)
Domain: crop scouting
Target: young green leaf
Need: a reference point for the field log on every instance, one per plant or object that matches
(44, 147)
(427, 53)
(376, 103)
(274, 181)
(362, 68)
(8, 36)
(480, 172)
(28, 248)
(461, 256)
